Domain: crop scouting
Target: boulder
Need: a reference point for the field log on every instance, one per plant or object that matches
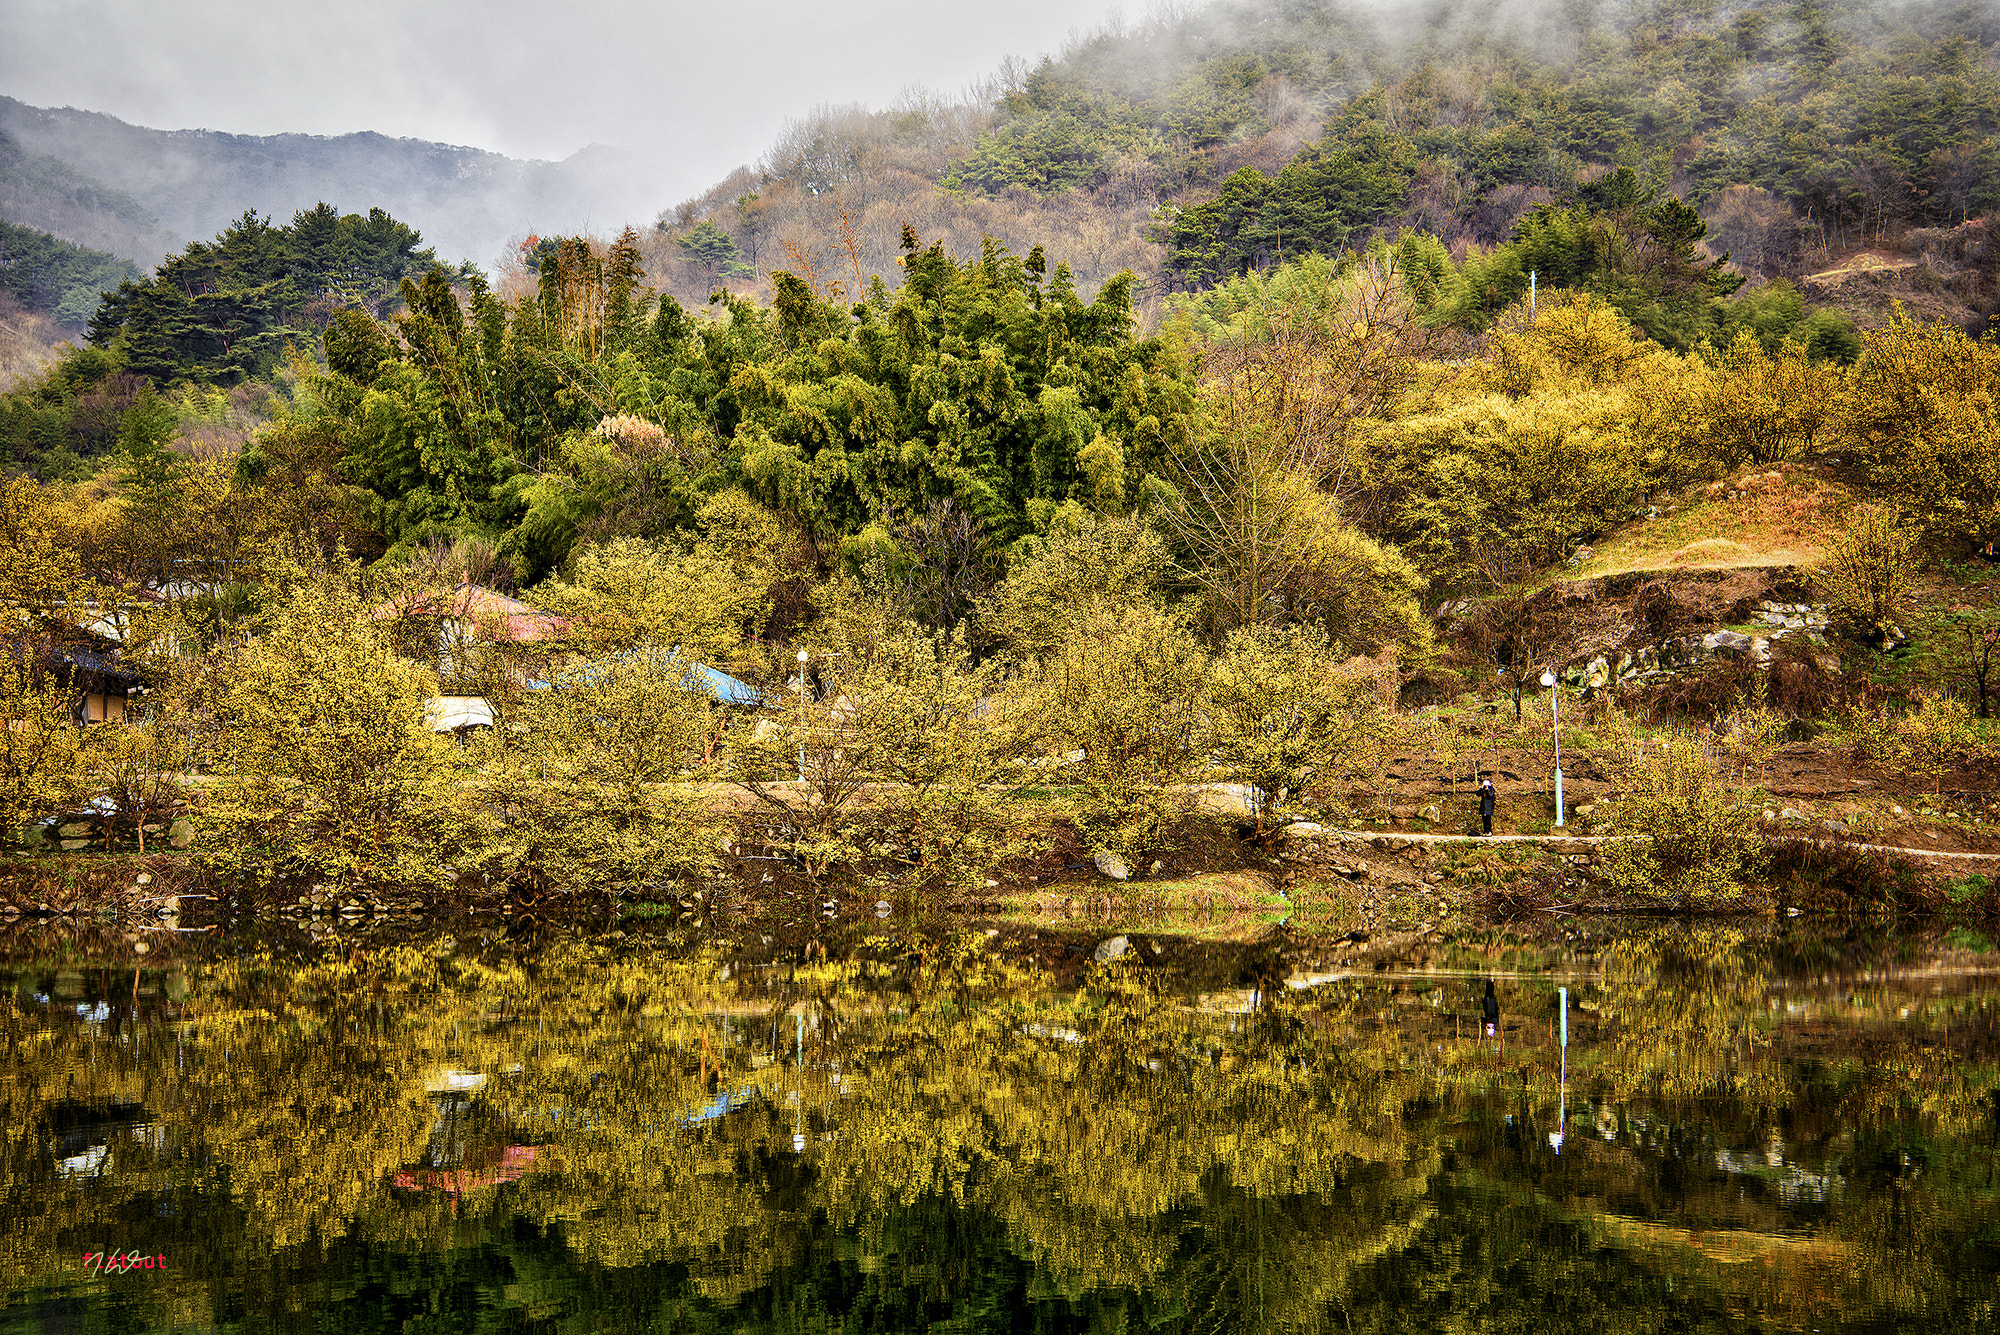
(76, 829)
(1235, 800)
(181, 833)
(1111, 865)
(1112, 949)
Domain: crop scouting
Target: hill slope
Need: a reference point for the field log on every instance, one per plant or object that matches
(467, 202)
(1208, 142)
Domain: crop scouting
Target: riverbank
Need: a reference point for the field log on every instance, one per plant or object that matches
(1384, 888)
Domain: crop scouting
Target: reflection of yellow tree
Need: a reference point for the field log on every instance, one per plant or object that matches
(1686, 1004)
(1245, 1171)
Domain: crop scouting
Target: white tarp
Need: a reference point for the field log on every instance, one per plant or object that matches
(448, 713)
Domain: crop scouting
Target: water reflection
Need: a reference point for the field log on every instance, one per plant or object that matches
(604, 1135)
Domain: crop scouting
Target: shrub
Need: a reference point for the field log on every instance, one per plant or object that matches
(1698, 849)
(1119, 708)
(1871, 571)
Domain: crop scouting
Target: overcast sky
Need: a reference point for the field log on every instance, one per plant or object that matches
(698, 86)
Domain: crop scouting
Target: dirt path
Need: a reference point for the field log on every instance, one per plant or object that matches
(1594, 839)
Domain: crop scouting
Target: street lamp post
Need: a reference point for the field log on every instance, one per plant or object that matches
(1555, 727)
(802, 718)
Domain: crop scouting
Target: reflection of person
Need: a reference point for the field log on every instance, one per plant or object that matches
(1486, 796)
(1491, 1008)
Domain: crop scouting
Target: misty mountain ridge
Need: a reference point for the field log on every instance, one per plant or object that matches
(139, 192)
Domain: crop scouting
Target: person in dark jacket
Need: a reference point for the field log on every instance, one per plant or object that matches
(1490, 1007)
(1486, 796)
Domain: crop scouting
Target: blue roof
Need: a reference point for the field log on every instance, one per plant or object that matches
(718, 686)
(723, 687)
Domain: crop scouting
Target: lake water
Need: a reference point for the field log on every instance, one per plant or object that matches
(1753, 1127)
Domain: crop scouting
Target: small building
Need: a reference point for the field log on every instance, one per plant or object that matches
(446, 630)
(102, 687)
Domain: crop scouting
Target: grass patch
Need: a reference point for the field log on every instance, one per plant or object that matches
(1771, 521)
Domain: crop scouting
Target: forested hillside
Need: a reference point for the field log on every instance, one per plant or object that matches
(1211, 142)
(76, 173)
(45, 276)
(43, 193)
(1370, 358)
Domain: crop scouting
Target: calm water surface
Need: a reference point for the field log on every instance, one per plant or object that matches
(1759, 1129)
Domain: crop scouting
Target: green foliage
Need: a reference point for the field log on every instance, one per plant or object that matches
(1862, 122)
(979, 383)
(715, 251)
(1320, 203)
(52, 277)
(222, 310)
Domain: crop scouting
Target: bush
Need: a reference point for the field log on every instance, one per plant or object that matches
(1697, 848)
(1280, 710)
(1119, 708)
(1871, 572)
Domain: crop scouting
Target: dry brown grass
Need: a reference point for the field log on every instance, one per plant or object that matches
(1757, 517)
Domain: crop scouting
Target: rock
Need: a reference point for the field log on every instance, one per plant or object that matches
(76, 829)
(1834, 826)
(1598, 673)
(1111, 865)
(1111, 949)
(33, 836)
(1304, 829)
(1235, 800)
(1431, 813)
(1789, 814)
(181, 833)
(75, 845)
(143, 878)
(1403, 812)
(1727, 641)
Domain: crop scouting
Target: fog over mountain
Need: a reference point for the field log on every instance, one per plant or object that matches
(466, 201)
(683, 92)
